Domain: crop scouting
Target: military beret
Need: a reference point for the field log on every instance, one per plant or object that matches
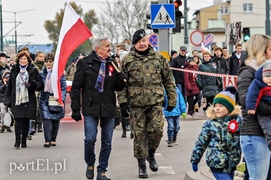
(139, 34)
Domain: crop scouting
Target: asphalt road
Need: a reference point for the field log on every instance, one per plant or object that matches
(66, 160)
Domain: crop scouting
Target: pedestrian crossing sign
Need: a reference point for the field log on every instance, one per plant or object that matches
(162, 16)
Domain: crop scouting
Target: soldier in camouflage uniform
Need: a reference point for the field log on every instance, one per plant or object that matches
(220, 136)
(39, 63)
(148, 75)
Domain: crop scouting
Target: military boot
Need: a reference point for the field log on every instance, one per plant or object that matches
(142, 171)
(152, 162)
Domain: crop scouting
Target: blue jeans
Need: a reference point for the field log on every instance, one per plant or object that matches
(257, 156)
(224, 176)
(91, 130)
(50, 129)
(173, 126)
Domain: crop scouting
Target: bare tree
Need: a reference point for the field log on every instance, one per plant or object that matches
(122, 18)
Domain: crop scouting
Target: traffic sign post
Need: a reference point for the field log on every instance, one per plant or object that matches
(208, 40)
(196, 38)
(153, 41)
(162, 16)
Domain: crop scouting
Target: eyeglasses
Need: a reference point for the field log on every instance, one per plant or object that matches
(23, 58)
(49, 61)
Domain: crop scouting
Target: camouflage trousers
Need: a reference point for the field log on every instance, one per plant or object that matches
(147, 124)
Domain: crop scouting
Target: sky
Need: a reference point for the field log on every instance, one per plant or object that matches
(33, 13)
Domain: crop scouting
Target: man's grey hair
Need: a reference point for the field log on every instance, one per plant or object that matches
(97, 42)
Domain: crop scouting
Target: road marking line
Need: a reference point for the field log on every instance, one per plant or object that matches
(167, 169)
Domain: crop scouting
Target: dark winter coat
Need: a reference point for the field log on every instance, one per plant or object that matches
(190, 83)
(25, 110)
(208, 84)
(94, 103)
(235, 62)
(44, 97)
(3, 88)
(178, 62)
(221, 64)
(258, 91)
(250, 124)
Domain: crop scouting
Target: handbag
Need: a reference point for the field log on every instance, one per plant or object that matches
(54, 105)
(8, 119)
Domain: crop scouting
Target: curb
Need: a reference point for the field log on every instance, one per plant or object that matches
(205, 174)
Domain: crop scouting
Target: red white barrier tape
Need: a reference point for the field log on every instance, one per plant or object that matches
(203, 73)
(227, 80)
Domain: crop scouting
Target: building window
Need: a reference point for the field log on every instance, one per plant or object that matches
(224, 9)
(247, 7)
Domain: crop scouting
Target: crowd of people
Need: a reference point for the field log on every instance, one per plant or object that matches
(146, 89)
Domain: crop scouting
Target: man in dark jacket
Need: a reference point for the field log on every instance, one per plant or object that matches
(179, 62)
(236, 59)
(97, 78)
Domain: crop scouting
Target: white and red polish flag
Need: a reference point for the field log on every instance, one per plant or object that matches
(73, 33)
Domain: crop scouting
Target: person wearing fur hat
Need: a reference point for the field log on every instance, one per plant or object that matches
(20, 96)
(3, 108)
(260, 90)
(220, 136)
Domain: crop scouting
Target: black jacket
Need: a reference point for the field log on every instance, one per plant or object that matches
(178, 62)
(250, 124)
(234, 63)
(94, 103)
(25, 110)
(222, 65)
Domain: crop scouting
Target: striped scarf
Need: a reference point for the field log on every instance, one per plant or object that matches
(48, 84)
(101, 76)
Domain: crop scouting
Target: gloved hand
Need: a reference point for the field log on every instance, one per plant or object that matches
(123, 77)
(76, 115)
(170, 108)
(190, 90)
(124, 109)
(195, 167)
(184, 115)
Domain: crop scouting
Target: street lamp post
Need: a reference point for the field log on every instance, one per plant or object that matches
(1, 28)
(15, 24)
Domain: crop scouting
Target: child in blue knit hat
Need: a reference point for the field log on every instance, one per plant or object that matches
(220, 137)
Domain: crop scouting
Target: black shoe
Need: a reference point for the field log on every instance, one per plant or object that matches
(17, 145)
(24, 145)
(131, 135)
(123, 133)
(8, 129)
(152, 164)
(33, 131)
(47, 144)
(102, 176)
(39, 129)
(90, 172)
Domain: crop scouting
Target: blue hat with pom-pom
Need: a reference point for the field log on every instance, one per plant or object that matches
(227, 98)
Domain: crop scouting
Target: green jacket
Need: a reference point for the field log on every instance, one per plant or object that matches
(148, 76)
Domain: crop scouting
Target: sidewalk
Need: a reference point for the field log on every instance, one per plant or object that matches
(204, 173)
